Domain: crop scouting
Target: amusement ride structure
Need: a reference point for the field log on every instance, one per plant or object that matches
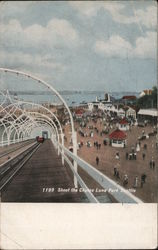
(18, 120)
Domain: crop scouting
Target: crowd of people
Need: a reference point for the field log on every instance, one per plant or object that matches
(100, 128)
(125, 179)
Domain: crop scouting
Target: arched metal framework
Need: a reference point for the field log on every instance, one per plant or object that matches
(19, 127)
(51, 88)
(17, 124)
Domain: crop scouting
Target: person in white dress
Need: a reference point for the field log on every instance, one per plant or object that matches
(135, 182)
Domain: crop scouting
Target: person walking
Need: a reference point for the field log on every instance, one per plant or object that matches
(135, 182)
(143, 156)
(125, 180)
(126, 155)
(97, 160)
(153, 164)
(133, 156)
(132, 149)
(150, 164)
(115, 171)
(130, 156)
(143, 178)
(117, 174)
(117, 156)
(145, 146)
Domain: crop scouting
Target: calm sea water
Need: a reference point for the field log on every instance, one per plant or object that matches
(72, 99)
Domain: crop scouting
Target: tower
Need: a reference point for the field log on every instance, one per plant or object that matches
(107, 97)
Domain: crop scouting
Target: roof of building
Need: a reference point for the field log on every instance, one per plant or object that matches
(150, 112)
(123, 121)
(129, 97)
(79, 112)
(106, 102)
(96, 102)
(118, 135)
(148, 91)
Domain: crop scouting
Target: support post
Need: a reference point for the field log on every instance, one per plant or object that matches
(58, 150)
(74, 140)
(8, 135)
(62, 142)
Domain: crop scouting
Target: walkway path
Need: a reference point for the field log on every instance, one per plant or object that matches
(42, 174)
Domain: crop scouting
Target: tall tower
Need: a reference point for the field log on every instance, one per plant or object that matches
(107, 97)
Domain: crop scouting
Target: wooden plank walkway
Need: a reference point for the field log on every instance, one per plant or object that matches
(36, 180)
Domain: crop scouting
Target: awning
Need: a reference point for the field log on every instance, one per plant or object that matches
(150, 112)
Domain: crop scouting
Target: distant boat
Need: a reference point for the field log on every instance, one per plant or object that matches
(73, 102)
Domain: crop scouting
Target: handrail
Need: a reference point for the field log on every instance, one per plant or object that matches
(88, 193)
(119, 193)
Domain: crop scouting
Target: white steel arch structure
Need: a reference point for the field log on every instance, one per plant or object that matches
(6, 121)
(6, 96)
(9, 118)
(17, 104)
(8, 114)
(123, 195)
(41, 121)
(44, 118)
(50, 87)
(21, 127)
(21, 124)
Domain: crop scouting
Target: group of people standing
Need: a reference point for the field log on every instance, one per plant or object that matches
(125, 179)
(97, 144)
(152, 164)
(131, 156)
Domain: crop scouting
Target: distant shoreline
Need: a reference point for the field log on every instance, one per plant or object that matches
(73, 92)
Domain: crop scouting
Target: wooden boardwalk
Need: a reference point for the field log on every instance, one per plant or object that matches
(42, 174)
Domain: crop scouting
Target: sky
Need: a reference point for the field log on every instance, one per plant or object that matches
(90, 45)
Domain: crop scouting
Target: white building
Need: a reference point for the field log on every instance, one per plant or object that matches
(121, 113)
(148, 115)
(124, 125)
(100, 104)
(118, 139)
(130, 112)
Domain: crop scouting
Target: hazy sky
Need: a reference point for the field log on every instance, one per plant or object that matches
(82, 45)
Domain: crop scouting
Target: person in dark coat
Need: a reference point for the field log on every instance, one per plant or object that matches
(145, 146)
(115, 171)
(143, 178)
(125, 180)
(118, 174)
(153, 164)
(97, 160)
(143, 156)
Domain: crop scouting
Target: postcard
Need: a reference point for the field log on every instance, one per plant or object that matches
(78, 125)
